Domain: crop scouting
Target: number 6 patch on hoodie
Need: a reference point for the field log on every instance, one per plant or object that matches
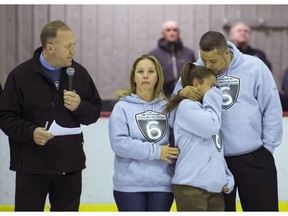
(153, 125)
(230, 88)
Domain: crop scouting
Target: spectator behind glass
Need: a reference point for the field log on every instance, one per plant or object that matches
(284, 86)
(251, 121)
(240, 36)
(36, 93)
(139, 136)
(172, 55)
(201, 173)
(284, 91)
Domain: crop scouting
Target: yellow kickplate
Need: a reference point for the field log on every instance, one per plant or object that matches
(283, 207)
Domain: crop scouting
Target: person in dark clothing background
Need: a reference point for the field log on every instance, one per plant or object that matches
(172, 55)
(239, 35)
(284, 91)
(36, 93)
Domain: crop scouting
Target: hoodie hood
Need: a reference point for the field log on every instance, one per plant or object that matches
(237, 56)
(133, 98)
(235, 62)
(148, 107)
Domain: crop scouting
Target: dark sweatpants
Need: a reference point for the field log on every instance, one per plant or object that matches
(256, 181)
(32, 189)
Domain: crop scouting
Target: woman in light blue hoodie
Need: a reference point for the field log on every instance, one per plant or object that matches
(139, 136)
(201, 173)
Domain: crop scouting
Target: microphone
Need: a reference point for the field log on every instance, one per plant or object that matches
(70, 72)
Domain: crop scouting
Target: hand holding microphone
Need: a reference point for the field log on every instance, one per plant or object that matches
(71, 99)
(70, 71)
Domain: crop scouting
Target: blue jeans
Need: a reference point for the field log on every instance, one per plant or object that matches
(143, 201)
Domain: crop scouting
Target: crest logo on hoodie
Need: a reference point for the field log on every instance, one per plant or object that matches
(153, 125)
(230, 87)
(218, 142)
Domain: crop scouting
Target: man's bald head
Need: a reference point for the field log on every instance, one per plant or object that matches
(170, 31)
(240, 34)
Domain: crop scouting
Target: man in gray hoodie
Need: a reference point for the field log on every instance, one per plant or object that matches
(251, 125)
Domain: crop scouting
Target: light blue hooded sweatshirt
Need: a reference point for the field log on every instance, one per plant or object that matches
(251, 107)
(201, 160)
(137, 130)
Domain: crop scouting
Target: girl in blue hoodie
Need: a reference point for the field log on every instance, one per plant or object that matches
(201, 173)
(139, 136)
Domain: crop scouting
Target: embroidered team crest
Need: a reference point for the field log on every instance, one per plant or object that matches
(218, 142)
(230, 88)
(153, 125)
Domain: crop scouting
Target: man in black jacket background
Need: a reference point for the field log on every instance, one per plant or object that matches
(239, 35)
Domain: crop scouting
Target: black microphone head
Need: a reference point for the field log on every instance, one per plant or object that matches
(70, 71)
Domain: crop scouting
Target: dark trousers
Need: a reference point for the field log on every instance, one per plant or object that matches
(256, 181)
(32, 189)
(190, 198)
(143, 201)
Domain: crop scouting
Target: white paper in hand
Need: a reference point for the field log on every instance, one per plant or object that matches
(57, 130)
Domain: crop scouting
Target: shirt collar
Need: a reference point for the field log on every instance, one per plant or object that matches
(45, 64)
